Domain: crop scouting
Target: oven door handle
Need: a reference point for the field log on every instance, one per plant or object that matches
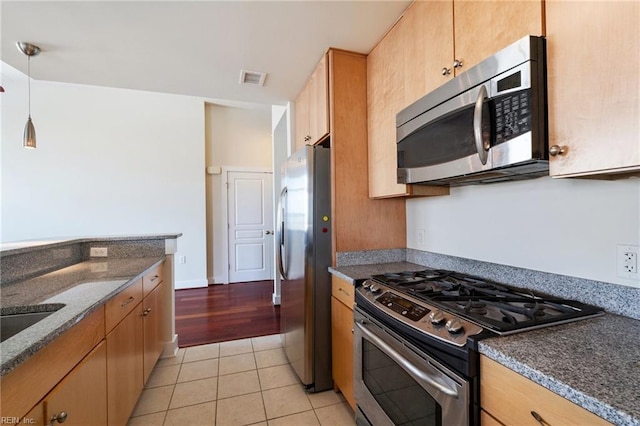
(405, 363)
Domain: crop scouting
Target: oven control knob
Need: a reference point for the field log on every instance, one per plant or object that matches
(436, 317)
(454, 326)
(374, 288)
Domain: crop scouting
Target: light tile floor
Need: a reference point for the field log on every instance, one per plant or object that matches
(241, 382)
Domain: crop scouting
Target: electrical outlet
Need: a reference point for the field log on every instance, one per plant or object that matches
(420, 237)
(98, 252)
(182, 259)
(628, 262)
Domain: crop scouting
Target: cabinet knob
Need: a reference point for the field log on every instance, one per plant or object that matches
(307, 138)
(60, 418)
(557, 150)
(446, 71)
(268, 232)
(457, 63)
(146, 312)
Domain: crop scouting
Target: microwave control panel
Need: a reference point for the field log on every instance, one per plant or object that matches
(512, 115)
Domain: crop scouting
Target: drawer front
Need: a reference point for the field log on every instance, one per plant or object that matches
(343, 291)
(121, 304)
(152, 278)
(512, 399)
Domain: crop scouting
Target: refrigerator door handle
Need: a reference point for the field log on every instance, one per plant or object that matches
(280, 230)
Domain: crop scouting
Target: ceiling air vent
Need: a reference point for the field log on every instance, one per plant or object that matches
(253, 78)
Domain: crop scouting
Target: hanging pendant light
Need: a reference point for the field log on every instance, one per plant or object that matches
(29, 136)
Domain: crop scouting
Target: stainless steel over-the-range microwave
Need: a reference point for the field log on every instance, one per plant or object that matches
(488, 124)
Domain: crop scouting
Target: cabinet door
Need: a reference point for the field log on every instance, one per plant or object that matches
(428, 47)
(593, 69)
(81, 398)
(483, 27)
(512, 398)
(125, 367)
(385, 98)
(318, 102)
(392, 81)
(153, 320)
(342, 349)
(302, 119)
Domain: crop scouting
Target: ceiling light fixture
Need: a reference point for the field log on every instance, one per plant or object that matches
(29, 137)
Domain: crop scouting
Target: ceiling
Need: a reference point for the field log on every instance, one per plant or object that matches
(194, 48)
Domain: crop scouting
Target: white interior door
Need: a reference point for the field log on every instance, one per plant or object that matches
(250, 215)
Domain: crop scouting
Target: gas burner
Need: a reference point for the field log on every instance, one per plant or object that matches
(406, 278)
(473, 307)
(433, 274)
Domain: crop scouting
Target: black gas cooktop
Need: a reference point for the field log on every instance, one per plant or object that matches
(497, 307)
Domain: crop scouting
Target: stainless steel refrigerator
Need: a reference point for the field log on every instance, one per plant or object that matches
(304, 255)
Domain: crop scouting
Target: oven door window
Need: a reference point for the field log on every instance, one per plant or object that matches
(397, 393)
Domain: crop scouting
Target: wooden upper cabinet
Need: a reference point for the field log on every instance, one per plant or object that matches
(417, 56)
(402, 68)
(483, 27)
(312, 108)
(593, 111)
(302, 120)
(428, 47)
(385, 97)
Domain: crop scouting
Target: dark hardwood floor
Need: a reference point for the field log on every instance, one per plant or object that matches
(225, 312)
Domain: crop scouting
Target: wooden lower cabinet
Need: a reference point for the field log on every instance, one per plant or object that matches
(81, 398)
(511, 399)
(95, 380)
(152, 328)
(342, 338)
(125, 352)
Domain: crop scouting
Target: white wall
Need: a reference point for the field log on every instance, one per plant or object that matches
(281, 125)
(108, 162)
(238, 138)
(564, 226)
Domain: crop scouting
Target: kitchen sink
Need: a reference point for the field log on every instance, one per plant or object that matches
(12, 324)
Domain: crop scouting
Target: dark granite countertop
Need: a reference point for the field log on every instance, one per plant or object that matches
(81, 288)
(11, 248)
(594, 363)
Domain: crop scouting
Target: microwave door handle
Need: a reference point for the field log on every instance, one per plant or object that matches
(281, 230)
(481, 146)
(424, 375)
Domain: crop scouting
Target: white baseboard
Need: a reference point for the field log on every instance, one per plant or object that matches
(170, 348)
(191, 284)
(275, 299)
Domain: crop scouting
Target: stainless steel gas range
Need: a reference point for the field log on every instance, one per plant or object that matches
(416, 335)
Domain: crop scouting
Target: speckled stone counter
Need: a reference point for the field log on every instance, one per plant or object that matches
(60, 276)
(358, 272)
(80, 288)
(594, 363)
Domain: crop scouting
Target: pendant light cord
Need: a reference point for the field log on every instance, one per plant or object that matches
(29, 81)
